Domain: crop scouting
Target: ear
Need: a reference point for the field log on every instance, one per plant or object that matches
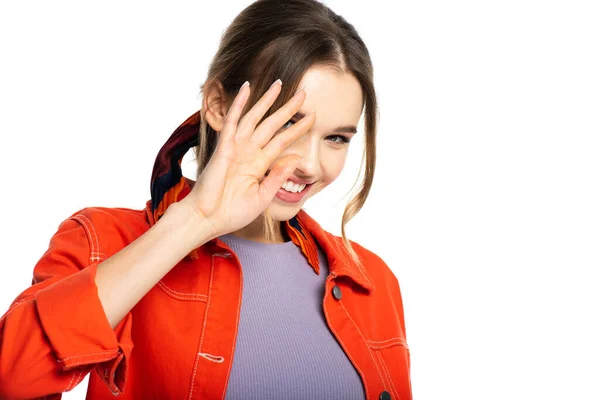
(216, 104)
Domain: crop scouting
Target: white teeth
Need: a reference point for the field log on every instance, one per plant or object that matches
(293, 187)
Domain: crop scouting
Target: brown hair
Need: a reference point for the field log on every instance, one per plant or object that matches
(273, 39)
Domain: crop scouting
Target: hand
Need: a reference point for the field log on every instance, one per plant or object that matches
(232, 190)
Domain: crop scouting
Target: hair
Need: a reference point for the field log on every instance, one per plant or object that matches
(273, 39)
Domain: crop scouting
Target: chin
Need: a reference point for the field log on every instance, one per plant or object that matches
(281, 211)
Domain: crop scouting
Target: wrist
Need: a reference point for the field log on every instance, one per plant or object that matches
(192, 228)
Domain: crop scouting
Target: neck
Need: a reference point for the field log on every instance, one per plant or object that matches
(254, 232)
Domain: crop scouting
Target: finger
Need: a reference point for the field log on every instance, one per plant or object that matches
(233, 114)
(274, 122)
(280, 172)
(248, 123)
(274, 148)
(217, 170)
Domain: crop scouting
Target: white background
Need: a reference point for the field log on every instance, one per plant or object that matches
(486, 201)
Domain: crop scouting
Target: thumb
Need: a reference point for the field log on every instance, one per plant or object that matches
(280, 172)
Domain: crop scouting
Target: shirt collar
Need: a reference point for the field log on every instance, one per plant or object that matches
(168, 185)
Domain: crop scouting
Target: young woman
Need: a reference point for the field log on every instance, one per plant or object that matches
(224, 287)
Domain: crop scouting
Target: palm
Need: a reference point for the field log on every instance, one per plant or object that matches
(241, 199)
(232, 191)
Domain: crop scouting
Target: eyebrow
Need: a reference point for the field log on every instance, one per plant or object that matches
(339, 129)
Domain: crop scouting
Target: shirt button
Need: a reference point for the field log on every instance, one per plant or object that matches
(385, 395)
(337, 292)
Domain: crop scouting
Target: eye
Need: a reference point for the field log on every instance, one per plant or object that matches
(285, 125)
(343, 139)
(340, 139)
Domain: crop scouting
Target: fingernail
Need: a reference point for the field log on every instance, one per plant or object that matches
(277, 81)
(299, 89)
(245, 84)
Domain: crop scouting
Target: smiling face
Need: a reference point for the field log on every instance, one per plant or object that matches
(337, 101)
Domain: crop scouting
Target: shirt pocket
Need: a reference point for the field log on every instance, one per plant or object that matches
(393, 361)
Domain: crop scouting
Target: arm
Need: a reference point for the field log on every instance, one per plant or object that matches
(75, 317)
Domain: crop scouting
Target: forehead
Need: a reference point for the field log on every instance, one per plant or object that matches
(336, 98)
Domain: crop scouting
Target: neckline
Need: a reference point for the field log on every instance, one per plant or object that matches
(231, 238)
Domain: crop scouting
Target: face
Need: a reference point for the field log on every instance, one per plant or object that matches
(337, 100)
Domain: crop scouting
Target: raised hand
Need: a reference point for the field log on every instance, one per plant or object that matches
(232, 189)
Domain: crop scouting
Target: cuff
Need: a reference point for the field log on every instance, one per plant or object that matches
(76, 326)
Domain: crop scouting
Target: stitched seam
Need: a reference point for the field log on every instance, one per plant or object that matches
(386, 346)
(212, 267)
(89, 354)
(112, 384)
(97, 256)
(91, 238)
(387, 372)
(197, 358)
(345, 349)
(387, 380)
(101, 372)
(364, 274)
(99, 360)
(93, 232)
(235, 333)
(74, 380)
(386, 340)
(387, 343)
(71, 382)
(363, 338)
(393, 304)
(87, 232)
(79, 378)
(181, 295)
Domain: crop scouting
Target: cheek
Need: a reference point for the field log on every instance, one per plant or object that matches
(333, 174)
(332, 168)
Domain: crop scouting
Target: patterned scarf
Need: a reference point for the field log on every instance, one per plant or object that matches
(168, 185)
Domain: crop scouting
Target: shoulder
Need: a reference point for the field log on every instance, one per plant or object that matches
(109, 229)
(377, 269)
(111, 218)
(376, 265)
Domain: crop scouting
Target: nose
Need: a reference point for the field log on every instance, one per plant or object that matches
(310, 165)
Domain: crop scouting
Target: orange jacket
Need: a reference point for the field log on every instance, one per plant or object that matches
(178, 342)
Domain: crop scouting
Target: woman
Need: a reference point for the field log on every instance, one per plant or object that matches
(150, 301)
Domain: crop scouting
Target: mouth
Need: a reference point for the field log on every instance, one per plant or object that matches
(307, 184)
(292, 197)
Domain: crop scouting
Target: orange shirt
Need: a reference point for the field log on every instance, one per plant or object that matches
(178, 341)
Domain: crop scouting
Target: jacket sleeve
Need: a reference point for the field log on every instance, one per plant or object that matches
(399, 309)
(398, 303)
(56, 331)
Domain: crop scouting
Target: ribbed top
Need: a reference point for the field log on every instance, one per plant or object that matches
(284, 348)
